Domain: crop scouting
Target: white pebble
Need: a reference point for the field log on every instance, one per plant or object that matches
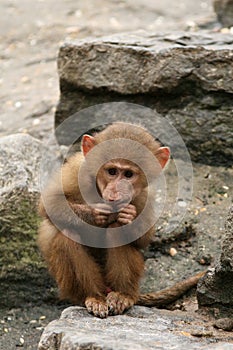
(21, 341)
(18, 104)
(173, 251)
(36, 121)
(182, 204)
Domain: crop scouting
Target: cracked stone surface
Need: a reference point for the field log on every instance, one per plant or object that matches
(141, 328)
(184, 77)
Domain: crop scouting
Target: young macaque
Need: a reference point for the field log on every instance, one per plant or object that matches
(98, 212)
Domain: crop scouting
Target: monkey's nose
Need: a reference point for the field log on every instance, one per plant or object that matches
(113, 197)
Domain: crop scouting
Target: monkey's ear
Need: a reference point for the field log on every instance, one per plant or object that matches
(163, 155)
(88, 142)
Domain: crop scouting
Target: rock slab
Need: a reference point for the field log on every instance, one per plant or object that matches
(140, 329)
(215, 288)
(224, 11)
(21, 266)
(185, 77)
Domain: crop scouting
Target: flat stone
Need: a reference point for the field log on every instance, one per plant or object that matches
(224, 11)
(140, 329)
(21, 173)
(184, 77)
(215, 288)
(144, 63)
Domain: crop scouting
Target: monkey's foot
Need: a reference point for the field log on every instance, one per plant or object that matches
(118, 303)
(97, 306)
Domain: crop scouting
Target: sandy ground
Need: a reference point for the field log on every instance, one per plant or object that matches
(30, 35)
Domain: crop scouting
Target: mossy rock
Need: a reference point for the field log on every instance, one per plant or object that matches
(22, 270)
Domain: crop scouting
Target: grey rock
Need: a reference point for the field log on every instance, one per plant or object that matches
(184, 77)
(226, 259)
(19, 179)
(24, 162)
(224, 323)
(224, 11)
(139, 329)
(215, 288)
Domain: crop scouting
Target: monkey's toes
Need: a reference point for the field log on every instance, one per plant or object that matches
(97, 307)
(118, 303)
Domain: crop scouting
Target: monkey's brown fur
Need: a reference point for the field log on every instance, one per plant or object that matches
(105, 280)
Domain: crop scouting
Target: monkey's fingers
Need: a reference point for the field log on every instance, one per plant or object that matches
(97, 307)
(130, 209)
(101, 216)
(124, 218)
(118, 303)
(101, 219)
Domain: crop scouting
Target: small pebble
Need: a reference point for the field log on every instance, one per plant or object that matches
(72, 30)
(33, 42)
(114, 22)
(21, 341)
(186, 334)
(36, 121)
(224, 323)
(78, 13)
(18, 104)
(225, 30)
(173, 251)
(201, 333)
(25, 79)
(182, 204)
(202, 261)
(42, 318)
(33, 321)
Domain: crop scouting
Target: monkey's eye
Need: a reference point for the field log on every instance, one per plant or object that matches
(112, 171)
(128, 173)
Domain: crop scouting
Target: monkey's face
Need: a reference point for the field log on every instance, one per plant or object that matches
(119, 181)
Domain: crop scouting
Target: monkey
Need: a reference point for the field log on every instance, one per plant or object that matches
(98, 214)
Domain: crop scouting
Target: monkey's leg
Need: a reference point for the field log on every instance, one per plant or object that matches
(77, 274)
(124, 268)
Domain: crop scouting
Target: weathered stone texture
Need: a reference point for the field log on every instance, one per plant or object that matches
(224, 11)
(21, 267)
(140, 329)
(185, 77)
(216, 287)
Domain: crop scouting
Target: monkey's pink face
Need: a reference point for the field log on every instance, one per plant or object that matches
(119, 181)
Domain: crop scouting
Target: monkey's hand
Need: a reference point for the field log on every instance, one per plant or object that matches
(127, 214)
(101, 213)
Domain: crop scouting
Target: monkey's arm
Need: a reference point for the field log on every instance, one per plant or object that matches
(144, 241)
(66, 213)
(168, 295)
(61, 201)
(63, 212)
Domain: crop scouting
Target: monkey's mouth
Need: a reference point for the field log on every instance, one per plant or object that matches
(118, 204)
